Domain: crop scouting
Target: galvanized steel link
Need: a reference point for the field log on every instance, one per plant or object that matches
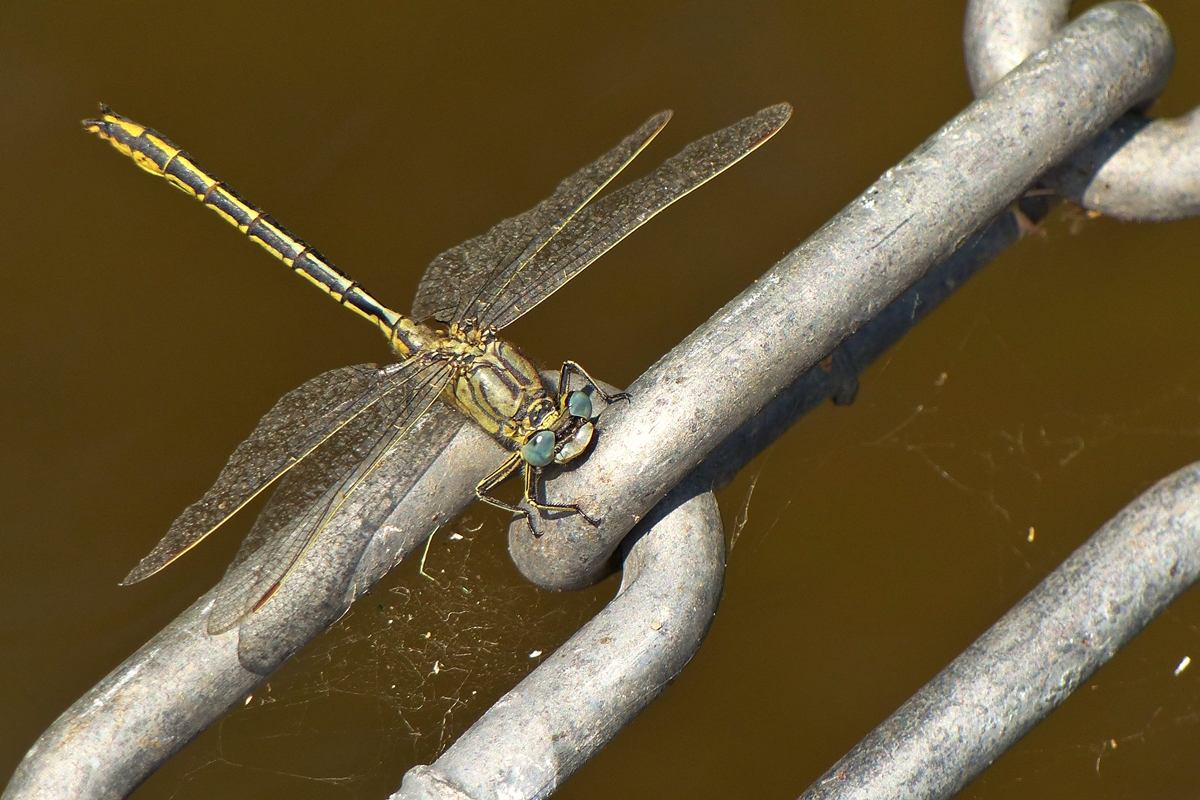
(1108, 60)
(1139, 169)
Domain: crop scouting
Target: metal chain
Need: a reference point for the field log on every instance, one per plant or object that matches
(1139, 169)
(853, 289)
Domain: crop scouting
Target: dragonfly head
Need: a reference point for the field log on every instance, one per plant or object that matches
(575, 432)
(568, 437)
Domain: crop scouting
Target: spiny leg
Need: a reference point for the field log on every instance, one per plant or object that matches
(500, 475)
(571, 366)
(532, 473)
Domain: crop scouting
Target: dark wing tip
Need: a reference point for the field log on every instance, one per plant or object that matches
(656, 123)
(771, 118)
(776, 115)
(145, 568)
(162, 554)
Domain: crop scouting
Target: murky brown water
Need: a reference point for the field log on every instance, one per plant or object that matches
(141, 339)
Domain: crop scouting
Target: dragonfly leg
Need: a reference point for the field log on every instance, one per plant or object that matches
(571, 366)
(495, 479)
(531, 475)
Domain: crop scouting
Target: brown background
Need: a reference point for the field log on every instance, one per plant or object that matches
(141, 339)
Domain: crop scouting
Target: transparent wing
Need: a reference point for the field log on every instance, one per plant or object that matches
(317, 488)
(450, 289)
(299, 422)
(611, 218)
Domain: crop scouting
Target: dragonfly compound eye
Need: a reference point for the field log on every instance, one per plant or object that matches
(539, 450)
(579, 405)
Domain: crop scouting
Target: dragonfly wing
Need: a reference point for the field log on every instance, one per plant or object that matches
(462, 279)
(247, 583)
(313, 493)
(611, 218)
(301, 420)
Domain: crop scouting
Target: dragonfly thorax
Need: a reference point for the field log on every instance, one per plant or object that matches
(501, 389)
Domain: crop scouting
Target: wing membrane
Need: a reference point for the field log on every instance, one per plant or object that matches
(454, 285)
(608, 220)
(301, 420)
(318, 488)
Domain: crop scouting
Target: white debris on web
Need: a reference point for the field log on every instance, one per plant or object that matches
(410, 668)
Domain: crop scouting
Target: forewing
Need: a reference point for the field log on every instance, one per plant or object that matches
(299, 422)
(311, 495)
(463, 278)
(611, 218)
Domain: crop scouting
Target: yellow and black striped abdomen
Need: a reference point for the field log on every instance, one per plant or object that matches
(154, 153)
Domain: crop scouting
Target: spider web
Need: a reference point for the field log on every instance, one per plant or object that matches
(397, 680)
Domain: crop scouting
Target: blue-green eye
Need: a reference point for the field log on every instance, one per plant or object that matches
(539, 450)
(579, 405)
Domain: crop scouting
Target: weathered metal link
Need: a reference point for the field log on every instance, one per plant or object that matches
(915, 215)
(1040, 652)
(1139, 169)
(541, 732)
(86, 754)
(1110, 588)
(126, 726)
(572, 700)
(999, 34)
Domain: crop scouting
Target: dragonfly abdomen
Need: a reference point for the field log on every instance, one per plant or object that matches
(157, 155)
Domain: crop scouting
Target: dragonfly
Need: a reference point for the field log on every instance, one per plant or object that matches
(332, 432)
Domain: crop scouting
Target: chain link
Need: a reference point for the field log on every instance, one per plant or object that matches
(1139, 169)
